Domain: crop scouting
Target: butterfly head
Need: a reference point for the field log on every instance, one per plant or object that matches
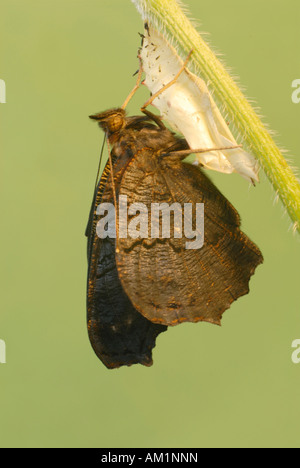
(111, 121)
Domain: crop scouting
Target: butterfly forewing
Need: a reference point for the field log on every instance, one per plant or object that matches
(119, 334)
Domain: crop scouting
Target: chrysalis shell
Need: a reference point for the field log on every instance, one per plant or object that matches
(189, 109)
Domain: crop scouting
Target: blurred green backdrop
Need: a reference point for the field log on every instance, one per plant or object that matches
(229, 386)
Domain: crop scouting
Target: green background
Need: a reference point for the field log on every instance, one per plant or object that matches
(229, 386)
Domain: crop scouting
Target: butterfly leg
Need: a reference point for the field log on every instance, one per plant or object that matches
(168, 85)
(136, 87)
(155, 118)
(183, 153)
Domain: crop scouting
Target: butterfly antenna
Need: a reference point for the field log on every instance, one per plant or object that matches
(100, 163)
(114, 193)
(92, 210)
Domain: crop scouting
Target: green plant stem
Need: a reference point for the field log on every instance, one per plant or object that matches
(170, 19)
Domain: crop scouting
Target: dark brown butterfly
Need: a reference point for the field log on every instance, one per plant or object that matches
(139, 286)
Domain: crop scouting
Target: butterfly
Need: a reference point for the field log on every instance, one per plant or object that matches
(138, 286)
